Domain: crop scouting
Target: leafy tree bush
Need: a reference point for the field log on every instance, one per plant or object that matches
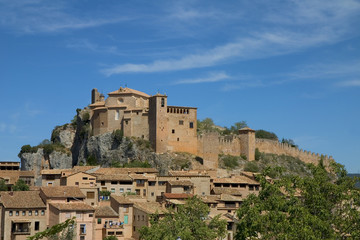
(27, 149)
(289, 142)
(91, 160)
(321, 206)
(251, 167)
(265, 134)
(117, 135)
(257, 154)
(105, 193)
(111, 238)
(20, 185)
(61, 231)
(3, 186)
(237, 126)
(229, 161)
(189, 222)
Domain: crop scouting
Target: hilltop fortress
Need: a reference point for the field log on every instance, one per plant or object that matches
(174, 128)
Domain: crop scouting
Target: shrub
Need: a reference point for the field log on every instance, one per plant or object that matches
(251, 167)
(243, 156)
(230, 161)
(27, 149)
(105, 193)
(257, 154)
(265, 134)
(91, 160)
(117, 135)
(48, 149)
(85, 117)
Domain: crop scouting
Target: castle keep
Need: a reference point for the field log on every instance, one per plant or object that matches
(174, 128)
(168, 128)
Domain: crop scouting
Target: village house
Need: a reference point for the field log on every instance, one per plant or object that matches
(22, 214)
(107, 223)
(61, 211)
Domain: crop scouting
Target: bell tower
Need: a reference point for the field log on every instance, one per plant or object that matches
(158, 122)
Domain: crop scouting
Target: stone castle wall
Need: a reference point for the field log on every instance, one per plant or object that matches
(275, 147)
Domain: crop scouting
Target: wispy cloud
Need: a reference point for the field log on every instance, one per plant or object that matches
(213, 77)
(350, 83)
(88, 45)
(11, 128)
(49, 16)
(259, 46)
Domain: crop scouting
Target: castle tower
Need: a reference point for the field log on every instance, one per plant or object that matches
(95, 96)
(158, 124)
(247, 143)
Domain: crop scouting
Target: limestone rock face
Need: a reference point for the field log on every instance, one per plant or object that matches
(60, 160)
(33, 162)
(64, 135)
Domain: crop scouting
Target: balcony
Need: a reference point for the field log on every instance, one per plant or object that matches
(114, 225)
(20, 228)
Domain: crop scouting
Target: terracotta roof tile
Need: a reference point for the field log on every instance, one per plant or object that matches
(51, 171)
(114, 177)
(236, 180)
(121, 199)
(62, 191)
(129, 91)
(21, 199)
(105, 211)
(70, 206)
(150, 207)
(180, 183)
(125, 170)
(232, 191)
(178, 195)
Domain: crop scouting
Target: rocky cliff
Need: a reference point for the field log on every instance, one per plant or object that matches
(72, 144)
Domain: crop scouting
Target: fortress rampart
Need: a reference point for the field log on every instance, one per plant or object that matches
(275, 147)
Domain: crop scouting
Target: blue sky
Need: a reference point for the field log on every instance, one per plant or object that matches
(290, 67)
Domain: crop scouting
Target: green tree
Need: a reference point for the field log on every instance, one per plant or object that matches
(3, 186)
(323, 206)
(237, 126)
(265, 134)
(189, 222)
(290, 142)
(206, 125)
(111, 238)
(20, 185)
(61, 231)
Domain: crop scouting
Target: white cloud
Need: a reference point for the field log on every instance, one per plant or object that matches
(213, 77)
(50, 16)
(350, 83)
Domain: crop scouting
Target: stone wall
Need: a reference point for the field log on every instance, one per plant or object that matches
(275, 147)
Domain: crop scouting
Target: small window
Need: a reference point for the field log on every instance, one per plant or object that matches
(113, 190)
(10, 213)
(102, 183)
(82, 229)
(82, 237)
(181, 122)
(78, 215)
(91, 215)
(36, 212)
(77, 183)
(23, 213)
(85, 178)
(121, 190)
(17, 213)
(162, 102)
(37, 226)
(30, 213)
(68, 215)
(99, 221)
(191, 125)
(114, 182)
(152, 194)
(128, 189)
(173, 131)
(42, 212)
(144, 192)
(90, 195)
(178, 139)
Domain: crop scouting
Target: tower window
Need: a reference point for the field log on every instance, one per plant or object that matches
(173, 131)
(162, 102)
(181, 122)
(178, 139)
(191, 125)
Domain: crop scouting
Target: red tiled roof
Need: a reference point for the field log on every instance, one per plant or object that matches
(178, 195)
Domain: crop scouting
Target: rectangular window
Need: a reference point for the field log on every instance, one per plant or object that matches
(144, 192)
(102, 183)
(126, 219)
(121, 190)
(36, 212)
(91, 215)
(117, 114)
(23, 213)
(173, 131)
(113, 190)
(82, 228)
(82, 237)
(191, 125)
(90, 195)
(77, 183)
(17, 213)
(30, 213)
(78, 215)
(68, 215)
(181, 122)
(152, 194)
(126, 208)
(37, 226)
(128, 189)
(85, 178)
(42, 212)
(162, 102)
(99, 220)
(10, 213)
(114, 182)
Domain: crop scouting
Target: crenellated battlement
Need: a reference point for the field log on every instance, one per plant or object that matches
(271, 146)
